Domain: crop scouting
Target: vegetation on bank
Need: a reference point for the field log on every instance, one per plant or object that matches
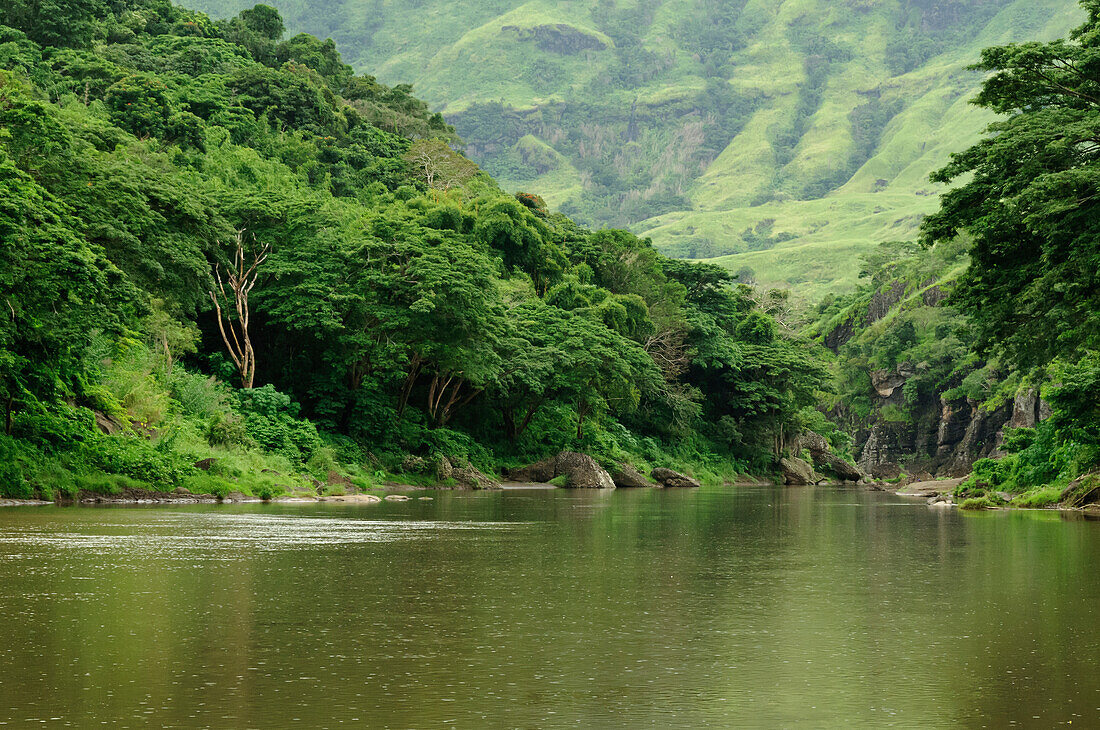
(229, 262)
(1002, 299)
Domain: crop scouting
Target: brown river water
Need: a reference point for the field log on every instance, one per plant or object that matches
(726, 608)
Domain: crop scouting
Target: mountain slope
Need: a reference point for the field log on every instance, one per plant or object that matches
(785, 136)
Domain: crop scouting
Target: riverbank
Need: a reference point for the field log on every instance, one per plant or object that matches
(947, 493)
(390, 491)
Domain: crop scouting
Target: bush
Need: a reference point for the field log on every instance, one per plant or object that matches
(271, 419)
(977, 503)
(135, 458)
(52, 480)
(199, 396)
(55, 428)
(1041, 497)
(204, 483)
(98, 482)
(322, 462)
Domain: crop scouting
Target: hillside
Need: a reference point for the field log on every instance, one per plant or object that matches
(222, 273)
(785, 137)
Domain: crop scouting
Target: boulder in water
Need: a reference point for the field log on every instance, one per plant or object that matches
(673, 479)
(627, 477)
(580, 471)
(797, 472)
(817, 448)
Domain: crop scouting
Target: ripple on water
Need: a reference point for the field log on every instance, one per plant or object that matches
(176, 534)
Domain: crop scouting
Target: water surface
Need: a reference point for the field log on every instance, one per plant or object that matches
(758, 607)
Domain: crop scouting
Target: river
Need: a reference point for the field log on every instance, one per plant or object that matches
(747, 607)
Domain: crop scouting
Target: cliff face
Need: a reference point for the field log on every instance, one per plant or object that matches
(914, 416)
(942, 437)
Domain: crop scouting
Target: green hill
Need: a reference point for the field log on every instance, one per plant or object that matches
(783, 136)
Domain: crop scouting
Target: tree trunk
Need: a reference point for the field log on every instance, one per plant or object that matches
(582, 411)
(410, 381)
(241, 279)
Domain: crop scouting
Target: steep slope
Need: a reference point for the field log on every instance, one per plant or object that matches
(780, 136)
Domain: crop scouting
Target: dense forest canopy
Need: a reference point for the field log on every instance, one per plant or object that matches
(220, 242)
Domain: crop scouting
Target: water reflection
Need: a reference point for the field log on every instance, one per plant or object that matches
(757, 607)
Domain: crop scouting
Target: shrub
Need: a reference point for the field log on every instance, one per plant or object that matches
(204, 483)
(977, 503)
(1041, 497)
(55, 428)
(322, 462)
(135, 458)
(271, 419)
(200, 396)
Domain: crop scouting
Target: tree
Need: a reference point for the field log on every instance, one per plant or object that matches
(56, 293)
(1033, 203)
(241, 278)
(440, 167)
(140, 105)
(64, 23)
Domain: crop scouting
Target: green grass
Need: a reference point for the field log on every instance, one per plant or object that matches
(1041, 497)
(977, 503)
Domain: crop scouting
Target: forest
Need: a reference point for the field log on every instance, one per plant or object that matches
(229, 263)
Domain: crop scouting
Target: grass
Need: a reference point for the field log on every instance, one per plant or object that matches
(1047, 496)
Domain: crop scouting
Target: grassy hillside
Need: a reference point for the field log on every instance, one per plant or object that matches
(786, 136)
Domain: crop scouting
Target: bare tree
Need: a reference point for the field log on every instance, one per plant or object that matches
(440, 167)
(239, 281)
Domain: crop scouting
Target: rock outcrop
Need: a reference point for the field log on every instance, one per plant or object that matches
(458, 471)
(465, 474)
(941, 435)
(797, 472)
(580, 471)
(821, 456)
(670, 479)
(627, 477)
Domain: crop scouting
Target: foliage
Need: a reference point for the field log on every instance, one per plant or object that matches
(693, 121)
(404, 304)
(1031, 202)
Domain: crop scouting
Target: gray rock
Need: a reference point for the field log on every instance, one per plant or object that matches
(580, 470)
(414, 464)
(627, 477)
(795, 471)
(444, 470)
(396, 498)
(540, 472)
(673, 479)
(815, 445)
(468, 477)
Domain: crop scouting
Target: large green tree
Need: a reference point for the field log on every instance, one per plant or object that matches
(1032, 201)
